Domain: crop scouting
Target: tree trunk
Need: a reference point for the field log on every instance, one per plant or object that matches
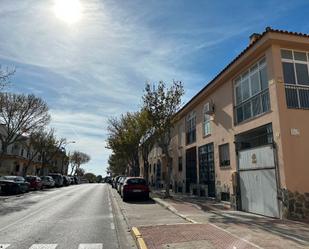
(4, 149)
(169, 172)
(72, 169)
(146, 169)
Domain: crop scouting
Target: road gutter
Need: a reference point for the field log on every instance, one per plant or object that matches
(120, 223)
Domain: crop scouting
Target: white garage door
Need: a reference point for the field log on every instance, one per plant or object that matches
(258, 186)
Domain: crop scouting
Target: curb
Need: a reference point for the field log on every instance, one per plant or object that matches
(138, 238)
(173, 210)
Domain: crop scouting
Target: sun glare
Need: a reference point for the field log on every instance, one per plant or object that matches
(68, 11)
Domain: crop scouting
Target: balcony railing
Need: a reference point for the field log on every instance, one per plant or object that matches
(297, 96)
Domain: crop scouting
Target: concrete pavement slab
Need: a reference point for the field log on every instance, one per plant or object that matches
(260, 230)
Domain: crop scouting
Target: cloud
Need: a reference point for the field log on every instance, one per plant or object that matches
(97, 68)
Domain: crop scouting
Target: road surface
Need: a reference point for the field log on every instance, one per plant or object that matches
(75, 217)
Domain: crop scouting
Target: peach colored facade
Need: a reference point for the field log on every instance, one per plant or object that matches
(289, 128)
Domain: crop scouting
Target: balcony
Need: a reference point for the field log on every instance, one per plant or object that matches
(297, 96)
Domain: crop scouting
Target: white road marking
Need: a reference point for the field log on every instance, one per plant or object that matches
(90, 246)
(3, 246)
(43, 246)
(112, 226)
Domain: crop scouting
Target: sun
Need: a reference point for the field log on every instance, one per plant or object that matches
(68, 11)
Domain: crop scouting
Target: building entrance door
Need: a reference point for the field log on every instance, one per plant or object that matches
(207, 168)
(257, 172)
(191, 174)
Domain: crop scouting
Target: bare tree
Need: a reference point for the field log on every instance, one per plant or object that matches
(5, 75)
(33, 143)
(49, 146)
(78, 158)
(20, 115)
(79, 172)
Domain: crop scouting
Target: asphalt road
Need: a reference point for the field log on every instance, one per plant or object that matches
(74, 217)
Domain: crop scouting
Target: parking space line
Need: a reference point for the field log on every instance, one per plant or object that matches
(43, 246)
(90, 246)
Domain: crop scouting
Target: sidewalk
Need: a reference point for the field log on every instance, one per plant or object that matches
(214, 225)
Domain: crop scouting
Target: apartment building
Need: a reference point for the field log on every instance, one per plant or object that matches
(19, 154)
(244, 138)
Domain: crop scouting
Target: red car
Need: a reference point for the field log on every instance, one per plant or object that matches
(134, 187)
(35, 182)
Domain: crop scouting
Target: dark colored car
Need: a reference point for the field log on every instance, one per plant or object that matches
(72, 180)
(57, 178)
(35, 182)
(76, 179)
(66, 181)
(13, 184)
(134, 187)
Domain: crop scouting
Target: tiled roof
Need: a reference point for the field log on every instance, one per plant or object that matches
(267, 30)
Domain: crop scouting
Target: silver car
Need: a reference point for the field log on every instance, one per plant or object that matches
(48, 181)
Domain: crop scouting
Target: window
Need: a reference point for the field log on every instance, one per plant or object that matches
(191, 128)
(295, 65)
(180, 164)
(224, 155)
(206, 120)
(17, 168)
(251, 92)
(22, 152)
(136, 181)
(180, 135)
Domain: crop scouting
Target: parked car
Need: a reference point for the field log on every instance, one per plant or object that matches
(76, 179)
(57, 178)
(66, 181)
(13, 184)
(72, 180)
(84, 180)
(115, 179)
(134, 187)
(35, 182)
(48, 181)
(120, 183)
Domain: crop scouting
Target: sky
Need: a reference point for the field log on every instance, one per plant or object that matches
(90, 59)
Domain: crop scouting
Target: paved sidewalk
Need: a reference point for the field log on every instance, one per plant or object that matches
(261, 231)
(189, 236)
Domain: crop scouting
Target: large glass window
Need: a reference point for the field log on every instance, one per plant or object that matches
(295, 65)
(206, 120)
(251, 92)
(191, 128)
